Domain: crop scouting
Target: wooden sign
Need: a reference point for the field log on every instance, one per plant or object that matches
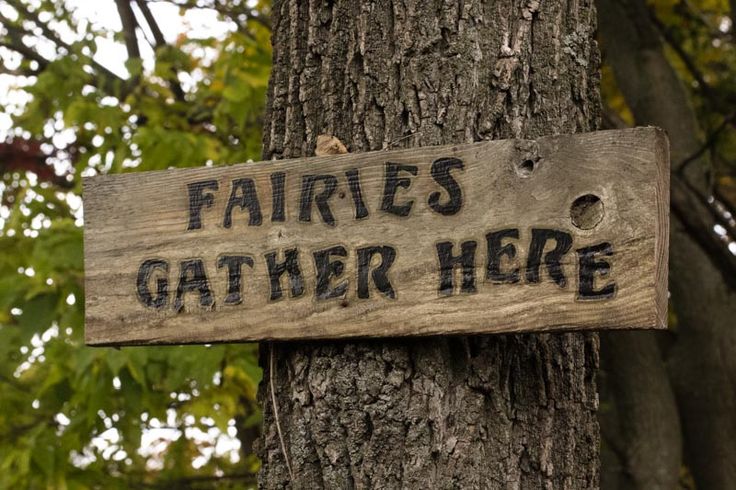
(565, 232)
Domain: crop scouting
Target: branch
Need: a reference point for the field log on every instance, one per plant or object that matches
(689, 63)
(158, 36)
(691, 211)
(54, 37)
(710, 142)
(724, 208)
(160, 41)
(18, 72)
(127, 18)
(14, 41)
(25, 51)
(45, 29)
(15, 34)
(715, 102)
(691, 13)
(220, 8)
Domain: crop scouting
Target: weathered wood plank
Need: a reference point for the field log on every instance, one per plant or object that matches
(181, 256)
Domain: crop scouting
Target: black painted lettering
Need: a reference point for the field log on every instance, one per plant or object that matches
(278, 183)
(234, 264)
(326, 269)
(447, 261)
(145, 271)
(392, 184)
(307, 196)
(198, 199)
(192, 277)
(552, 259)
(496, 251)
(353, 176)
(244, 196)
(379, 274)
(290, 265)
(589, 267)
(441, 174)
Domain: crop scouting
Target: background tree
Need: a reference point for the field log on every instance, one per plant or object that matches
(73, 416)
(683, 378)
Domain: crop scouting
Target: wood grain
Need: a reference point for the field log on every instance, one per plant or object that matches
(512, 185)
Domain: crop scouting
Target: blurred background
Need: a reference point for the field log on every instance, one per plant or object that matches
(109, 86)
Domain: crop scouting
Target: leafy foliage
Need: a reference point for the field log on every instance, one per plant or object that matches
(73, 416)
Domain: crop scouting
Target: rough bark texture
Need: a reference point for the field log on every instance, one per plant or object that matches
(456, 412)
(701, 366)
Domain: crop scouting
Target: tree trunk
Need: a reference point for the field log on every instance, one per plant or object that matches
(700, 361)
(642, 440)
(513, 411)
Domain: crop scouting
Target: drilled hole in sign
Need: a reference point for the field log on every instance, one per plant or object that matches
(586, 211)
(526, 168)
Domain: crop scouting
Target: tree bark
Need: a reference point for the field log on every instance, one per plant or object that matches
(700, 361)
(514, 411)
